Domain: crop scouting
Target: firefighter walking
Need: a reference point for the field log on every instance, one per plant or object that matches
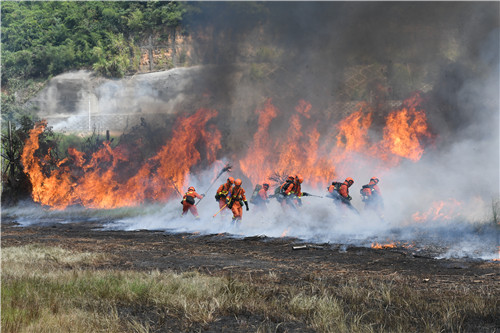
(188, 201)
(372, 196)
(222, 193)
(236, 199)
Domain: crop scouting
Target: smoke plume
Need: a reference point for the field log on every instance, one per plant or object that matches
(291, 52)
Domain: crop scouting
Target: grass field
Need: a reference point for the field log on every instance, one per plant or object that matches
(49, 289)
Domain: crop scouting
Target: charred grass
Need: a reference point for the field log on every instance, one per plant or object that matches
(49, 289)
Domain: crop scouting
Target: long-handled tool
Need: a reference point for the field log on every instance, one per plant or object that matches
(226, 168)
(175, 187)
(219, 210)
(311, 195)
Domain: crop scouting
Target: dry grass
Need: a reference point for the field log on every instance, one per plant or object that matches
(48, 289)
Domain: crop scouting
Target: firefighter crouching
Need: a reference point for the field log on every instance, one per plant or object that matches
(371, 195)
(223, 191)
(279, 191)
(188, 202)
(292, 192)
(340, 192)
(236, 199)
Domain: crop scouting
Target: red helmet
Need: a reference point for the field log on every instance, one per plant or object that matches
(299, 178)
(230, 180)
(265, 185)
(191, 188)
(237, 182)
(349, 180)
(374, 179)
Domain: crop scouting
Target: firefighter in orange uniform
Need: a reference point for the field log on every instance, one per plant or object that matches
(293, 192)
(371, 195)
(236, 199)
(341, 193)
(188, 202)
(261, 198)
(223, 191)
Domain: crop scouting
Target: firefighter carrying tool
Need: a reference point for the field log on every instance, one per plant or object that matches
(188, 202)
(340, 192)
(236, 199)
(223, 191)
(291, 192)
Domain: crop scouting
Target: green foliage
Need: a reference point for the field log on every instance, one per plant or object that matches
(112, 59)
(41, 39)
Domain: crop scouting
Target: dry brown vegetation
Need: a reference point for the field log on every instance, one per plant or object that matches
(73, 278)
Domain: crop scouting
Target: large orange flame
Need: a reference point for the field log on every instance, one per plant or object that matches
(405, 130)
(98, 181)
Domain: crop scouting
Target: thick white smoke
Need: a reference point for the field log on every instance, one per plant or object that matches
(460, 170)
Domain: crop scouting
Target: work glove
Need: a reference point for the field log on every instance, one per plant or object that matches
(305, 194)
(246, 205)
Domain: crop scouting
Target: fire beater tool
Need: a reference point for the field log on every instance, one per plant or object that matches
(219, 210)
(224, 169)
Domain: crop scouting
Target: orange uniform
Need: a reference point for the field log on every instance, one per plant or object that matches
(235, 199)
(292, 192)
(263, 194)
(188, 202)
(261, 198)
(223, 191)
(343, 192)
(372, 196)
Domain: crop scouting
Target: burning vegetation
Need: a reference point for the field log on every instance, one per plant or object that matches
(98, 180)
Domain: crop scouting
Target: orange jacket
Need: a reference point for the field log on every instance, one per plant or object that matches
(263, 194)
(372, 188)
(237, 194)
(191, 194)
(224, 189)
(375, 187)
(294, 188)
(344, 189)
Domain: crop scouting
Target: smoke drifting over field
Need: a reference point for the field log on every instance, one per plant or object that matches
(298, 56)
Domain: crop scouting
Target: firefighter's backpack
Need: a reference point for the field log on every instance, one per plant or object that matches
(255, 193)
(336, 186)
(336, 189)
(190, 199)
(281, 189)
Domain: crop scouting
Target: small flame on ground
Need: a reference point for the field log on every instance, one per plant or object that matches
(390, 245)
